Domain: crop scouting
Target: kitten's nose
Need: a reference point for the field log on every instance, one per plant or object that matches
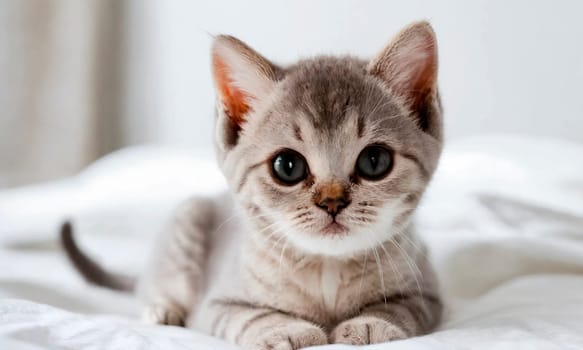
(333, 205)
(332, 197)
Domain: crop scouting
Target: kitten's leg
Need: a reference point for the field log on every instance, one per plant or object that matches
(402, 316)
(255, 327)
(171, 284)
(413, 312)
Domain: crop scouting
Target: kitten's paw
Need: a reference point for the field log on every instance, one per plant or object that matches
(164, 315)
(290, 336)
(366, 330)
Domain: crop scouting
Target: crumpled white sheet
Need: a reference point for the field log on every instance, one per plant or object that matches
(503, 219)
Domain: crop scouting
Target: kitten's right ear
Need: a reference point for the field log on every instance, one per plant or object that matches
(242, 76)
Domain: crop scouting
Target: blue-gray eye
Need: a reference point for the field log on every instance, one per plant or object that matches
(374, 162)
(289, 167)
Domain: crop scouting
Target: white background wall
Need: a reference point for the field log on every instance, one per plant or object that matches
(85, 78)
(506, 66)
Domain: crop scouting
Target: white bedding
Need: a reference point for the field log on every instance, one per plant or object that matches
(503, 218)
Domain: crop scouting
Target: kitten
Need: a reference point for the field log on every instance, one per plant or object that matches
(327, 160)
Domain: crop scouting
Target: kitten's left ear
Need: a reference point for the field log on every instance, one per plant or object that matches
(408, 66)
(241, 77)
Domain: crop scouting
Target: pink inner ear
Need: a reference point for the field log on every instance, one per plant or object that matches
(234, 100)
(413, 67)
(423, 80)
(409, 64)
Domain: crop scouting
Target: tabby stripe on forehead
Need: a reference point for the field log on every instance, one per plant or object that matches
(360, 125)
(424, 171)
(298, 133)
(245, 175)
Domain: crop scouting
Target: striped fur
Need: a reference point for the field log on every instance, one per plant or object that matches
(258, 267)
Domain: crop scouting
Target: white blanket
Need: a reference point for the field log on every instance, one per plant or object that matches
(503, 218)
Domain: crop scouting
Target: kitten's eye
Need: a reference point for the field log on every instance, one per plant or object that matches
(289, 167)
(374, 162)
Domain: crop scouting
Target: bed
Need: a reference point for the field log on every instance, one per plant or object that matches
(503, 219)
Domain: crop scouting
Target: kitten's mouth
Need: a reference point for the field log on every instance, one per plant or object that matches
(334, 228)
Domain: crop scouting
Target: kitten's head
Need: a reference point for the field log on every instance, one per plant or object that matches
(332, 153)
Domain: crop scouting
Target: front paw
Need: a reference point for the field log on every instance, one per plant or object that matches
(366, 330)
(164, 315)
(290, 336)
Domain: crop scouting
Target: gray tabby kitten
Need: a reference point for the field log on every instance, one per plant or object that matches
(327, 160)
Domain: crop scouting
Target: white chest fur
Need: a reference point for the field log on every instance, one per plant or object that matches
(330, 282)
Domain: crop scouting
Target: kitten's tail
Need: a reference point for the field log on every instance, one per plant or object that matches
(89, 269)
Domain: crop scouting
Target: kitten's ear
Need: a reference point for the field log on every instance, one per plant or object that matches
(241, 76)
(408, 65)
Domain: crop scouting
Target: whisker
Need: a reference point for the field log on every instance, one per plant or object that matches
(281, 261)
(279, 240)
(391, 262)
(411, 263)
(267, 227)
(277, 230)
(395, 268)
(225, 221)
(362, 274)
(270, 215)
(406, 254)
(271, 234)
(379, 269)
(415, 245)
